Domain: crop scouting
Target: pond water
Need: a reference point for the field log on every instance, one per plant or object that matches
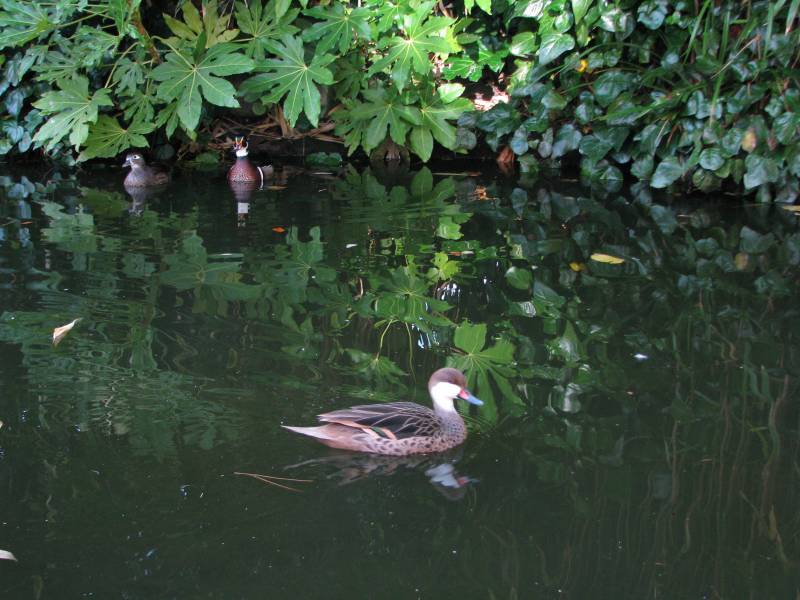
(639, 437)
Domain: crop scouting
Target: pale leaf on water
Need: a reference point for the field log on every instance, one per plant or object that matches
(60, 332)
(607, 258)
(6, 555)
(795, 208)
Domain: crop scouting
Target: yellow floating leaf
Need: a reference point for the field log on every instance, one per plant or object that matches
(582, 65)
(60, 332)
(276, 188)
(577, 267)
(795, 208)
(6, 555)
(607, 258)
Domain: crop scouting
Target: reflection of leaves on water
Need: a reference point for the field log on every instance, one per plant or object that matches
(484, 366)
(71, 232)
(403, 296)
(215, 283)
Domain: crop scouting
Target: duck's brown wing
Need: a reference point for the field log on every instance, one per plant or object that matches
(393, 420)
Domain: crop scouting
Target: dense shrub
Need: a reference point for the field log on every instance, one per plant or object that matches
(703, 93)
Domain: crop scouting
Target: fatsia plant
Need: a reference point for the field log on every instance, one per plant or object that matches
(188, 78)
(291, 78)
(412, 119)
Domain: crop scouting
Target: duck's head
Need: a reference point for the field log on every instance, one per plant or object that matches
(240, 146)
(447, 385)
(134, 159)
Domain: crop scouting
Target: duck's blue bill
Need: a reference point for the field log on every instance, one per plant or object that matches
(465, 395)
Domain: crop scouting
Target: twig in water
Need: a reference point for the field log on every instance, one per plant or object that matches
(269, 479)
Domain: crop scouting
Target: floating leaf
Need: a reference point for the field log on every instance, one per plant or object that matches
(6, 555)
(60, 332)
(794, 208)
(577, 267)
(607, 258)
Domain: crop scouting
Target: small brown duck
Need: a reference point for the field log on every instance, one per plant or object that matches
(141, 175)
(243, 170)
(400, 428)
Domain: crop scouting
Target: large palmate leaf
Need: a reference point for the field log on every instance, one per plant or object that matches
(183, 78)
(366, 123)
(71, 111)
(21, 21)
(423, 35)
(337, 26)
(211, 24)
(264, 23)
(292, 77)
(447, 106)
(108, 138)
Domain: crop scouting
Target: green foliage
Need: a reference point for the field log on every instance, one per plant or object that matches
(184, 76)
(292, 79)
(70, 111)
(670, 93)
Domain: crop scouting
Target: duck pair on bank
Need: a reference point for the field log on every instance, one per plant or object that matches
(242, 171)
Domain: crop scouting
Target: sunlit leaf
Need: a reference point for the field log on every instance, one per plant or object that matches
(338, 27)
(424, 35)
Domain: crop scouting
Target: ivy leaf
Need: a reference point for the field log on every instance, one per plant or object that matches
(423, 35)
(760, 170)
(337, 26)
(264, 23)
(610, 85)
(72, 110)
(291, 77)
(107, 138)
(579, 8)
(554, 45)
(183, 78)
(667, 172)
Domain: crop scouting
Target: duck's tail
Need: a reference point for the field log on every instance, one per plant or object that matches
(264, 172)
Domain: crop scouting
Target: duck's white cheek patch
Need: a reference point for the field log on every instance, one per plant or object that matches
(443, 394)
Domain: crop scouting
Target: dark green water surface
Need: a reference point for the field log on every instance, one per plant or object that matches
(639, 437)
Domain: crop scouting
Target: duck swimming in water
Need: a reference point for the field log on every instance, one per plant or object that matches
(141, 175)
(243, 171)
(400, 428)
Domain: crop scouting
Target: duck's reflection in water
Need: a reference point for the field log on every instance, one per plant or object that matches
(140, 196)
(439, 468)
(243, 195)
